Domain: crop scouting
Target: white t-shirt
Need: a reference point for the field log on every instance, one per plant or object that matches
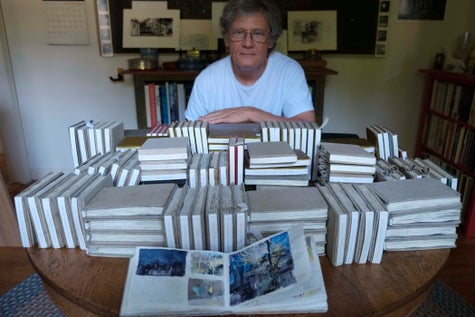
(281, 90)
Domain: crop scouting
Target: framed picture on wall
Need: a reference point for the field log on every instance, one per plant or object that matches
(151, 29)
(312, 30)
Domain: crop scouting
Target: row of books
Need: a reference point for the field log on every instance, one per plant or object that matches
(49, 210)
(122, 166)
(207, 218)
(89, 138)
(164, 102)
(454, 101)
(451, 141)
(385, 140)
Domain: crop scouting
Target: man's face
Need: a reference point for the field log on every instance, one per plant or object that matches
(252, 50)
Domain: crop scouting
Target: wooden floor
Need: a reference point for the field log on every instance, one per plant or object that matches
(458, 273)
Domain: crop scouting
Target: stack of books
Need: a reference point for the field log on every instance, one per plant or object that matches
(423, 213)
(119, 219)
(276, 163)
(164, 159)
(357, 224)
(345, 163)
(49, 210)
(273, 209)
(207, 218)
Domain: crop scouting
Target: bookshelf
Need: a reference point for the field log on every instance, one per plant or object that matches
(315, 77)
(447, 132)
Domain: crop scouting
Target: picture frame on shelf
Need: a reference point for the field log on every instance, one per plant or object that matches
(312, 30)
(149, 28)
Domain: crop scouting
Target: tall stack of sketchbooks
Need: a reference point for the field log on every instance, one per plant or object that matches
(273, 209)
(276, 163)
(345, 163)
(423, 213)
(119, 219)
(357, 223)
(164, 159)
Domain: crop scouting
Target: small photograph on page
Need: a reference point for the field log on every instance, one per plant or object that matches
(208, 263)
(261, 269)
(205, 292)
(161, 262)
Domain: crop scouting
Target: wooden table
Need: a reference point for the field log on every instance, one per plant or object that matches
(82, 285)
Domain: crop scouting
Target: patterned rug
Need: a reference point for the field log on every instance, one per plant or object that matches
(29, 298)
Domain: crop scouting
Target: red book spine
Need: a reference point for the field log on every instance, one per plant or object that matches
(153, 104)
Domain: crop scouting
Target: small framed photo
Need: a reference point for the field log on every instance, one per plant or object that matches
(380, 50)
(383, 21)
(382, 36)
(384, 6)
(151, 29)
(312, 30)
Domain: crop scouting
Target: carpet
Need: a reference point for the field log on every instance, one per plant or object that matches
(29, 298)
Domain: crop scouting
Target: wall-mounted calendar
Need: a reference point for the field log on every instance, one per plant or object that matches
(66, 22)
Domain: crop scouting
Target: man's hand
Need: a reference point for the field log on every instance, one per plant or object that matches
(251, 114)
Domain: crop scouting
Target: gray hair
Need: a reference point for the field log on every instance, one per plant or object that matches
(238, 8)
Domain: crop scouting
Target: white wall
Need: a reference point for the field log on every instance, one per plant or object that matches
(60, 85)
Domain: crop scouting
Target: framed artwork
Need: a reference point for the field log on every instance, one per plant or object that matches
(104, 28)
(312, 30)
(197, 34)
(151, 29)
(422, 9)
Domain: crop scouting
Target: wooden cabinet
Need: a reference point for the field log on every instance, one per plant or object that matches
(315, 77)
(447, 132)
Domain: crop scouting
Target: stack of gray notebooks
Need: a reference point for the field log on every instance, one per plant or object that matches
(423, 213)
(276, 208)
(119, 219)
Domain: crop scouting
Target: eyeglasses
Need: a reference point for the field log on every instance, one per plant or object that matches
(258, 36)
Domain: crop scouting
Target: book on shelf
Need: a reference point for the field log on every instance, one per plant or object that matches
(182, 282)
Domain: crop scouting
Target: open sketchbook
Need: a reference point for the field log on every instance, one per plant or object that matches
(278, 274)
